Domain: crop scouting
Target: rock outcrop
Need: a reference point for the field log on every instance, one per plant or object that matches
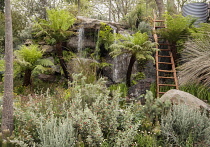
(181, 97)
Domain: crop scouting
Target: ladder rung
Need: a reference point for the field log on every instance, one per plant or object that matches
(164, 49)
(160, 38)
(172, 85)
(159, 26)
(165, 70)
(164, 56)
(164, 63)
(166, 77)
(164, 44)
(159, 20)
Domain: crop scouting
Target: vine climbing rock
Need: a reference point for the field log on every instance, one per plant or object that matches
(181, 97)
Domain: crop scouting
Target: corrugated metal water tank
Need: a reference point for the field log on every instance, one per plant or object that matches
(198, 10)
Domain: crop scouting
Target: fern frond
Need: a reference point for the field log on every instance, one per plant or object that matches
(2, 66)
(140, 57)
(23, 63)
(45, 62)
(39, 69)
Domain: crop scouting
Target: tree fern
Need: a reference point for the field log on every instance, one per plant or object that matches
(138, 46)
(28, 59)
(59, 21)
(29, 53)
(56, 29)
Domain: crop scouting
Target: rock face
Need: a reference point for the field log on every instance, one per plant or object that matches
(83, 44)
(181, 97)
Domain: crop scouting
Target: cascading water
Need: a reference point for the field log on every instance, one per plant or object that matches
(115, 64)
(119, 63)
(80, 41)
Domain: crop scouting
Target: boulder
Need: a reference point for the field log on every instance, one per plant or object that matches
(47, 48)
(181, 97)
(44, 77)
(95, 23)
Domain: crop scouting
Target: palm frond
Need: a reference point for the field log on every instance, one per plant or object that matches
(196, 58)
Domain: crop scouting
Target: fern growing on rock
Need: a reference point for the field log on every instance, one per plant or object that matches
(137, 46)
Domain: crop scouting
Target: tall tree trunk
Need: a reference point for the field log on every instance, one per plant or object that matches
(7, 112)
(161, 8)
(44, 6)
(129, 71)
(171, 7)
(110, 9)
(59, 51)
(27, 77)
(79, 7)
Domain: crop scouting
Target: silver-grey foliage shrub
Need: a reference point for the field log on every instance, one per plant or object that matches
(184, 123)
(56, 132)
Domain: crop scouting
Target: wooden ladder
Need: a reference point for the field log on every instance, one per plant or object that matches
(165, 66)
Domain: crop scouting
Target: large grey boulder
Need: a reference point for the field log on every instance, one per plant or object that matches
(181, 97)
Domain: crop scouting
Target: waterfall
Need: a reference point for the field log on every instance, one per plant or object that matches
(80, 41)
(116, 67)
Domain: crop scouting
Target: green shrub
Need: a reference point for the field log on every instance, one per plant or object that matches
(121, 88)
(184, 124)
(146, 140)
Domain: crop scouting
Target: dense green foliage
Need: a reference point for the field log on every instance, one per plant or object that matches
(54, 29)
(176, 26)
(138, 44)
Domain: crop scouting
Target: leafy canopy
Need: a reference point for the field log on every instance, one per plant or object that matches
(138, 44)
(176, 25)
(30, 57)
(56, 26)
(106, 36)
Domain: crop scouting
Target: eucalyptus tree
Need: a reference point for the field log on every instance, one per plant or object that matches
(114, 10)
(137, 46)
(172, 7)
(161, 7)
(7, 124)
(35, 9)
